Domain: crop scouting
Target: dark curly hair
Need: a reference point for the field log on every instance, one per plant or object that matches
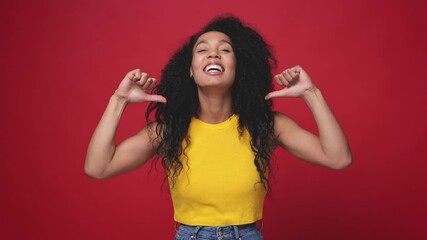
(255, 62)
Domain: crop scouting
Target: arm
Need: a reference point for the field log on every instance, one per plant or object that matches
(331, 148)
(103, 158)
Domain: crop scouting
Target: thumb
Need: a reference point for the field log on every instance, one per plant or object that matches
(275, 94)
(156, 98)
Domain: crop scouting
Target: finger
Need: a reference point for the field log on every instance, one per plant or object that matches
(133, 75)
(130, 75)
(293, 74)
(283, 80)
(148, 83)
(137, 75)
(277, 79)
(156, 98)
(152, 84)
(288, 76)
(296, 69)
(143, 77)
(276, 94)
(291, 77)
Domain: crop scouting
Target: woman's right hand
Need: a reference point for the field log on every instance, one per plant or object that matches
(134, 86)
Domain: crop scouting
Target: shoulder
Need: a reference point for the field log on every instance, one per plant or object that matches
(281, 120)
(152, 131)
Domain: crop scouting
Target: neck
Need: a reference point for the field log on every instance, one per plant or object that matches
(215, 107)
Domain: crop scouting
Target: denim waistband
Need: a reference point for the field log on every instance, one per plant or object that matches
(209, 231)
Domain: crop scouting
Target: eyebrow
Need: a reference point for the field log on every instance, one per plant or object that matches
(221, 41)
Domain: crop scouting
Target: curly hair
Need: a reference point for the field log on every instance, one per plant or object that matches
(255, 62)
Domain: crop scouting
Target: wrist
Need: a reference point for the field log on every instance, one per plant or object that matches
(311, 94)
(119, 99)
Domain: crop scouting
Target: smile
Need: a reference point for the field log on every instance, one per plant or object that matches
(213, 68)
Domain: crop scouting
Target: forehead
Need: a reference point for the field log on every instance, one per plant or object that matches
(213, 37)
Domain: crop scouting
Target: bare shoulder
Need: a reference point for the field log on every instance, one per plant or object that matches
(279, 116)
(146, 139)
(283, 123)
(150, 130)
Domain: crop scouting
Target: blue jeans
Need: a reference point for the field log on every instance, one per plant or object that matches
(240, 232)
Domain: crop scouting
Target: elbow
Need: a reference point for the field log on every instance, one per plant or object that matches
(93, 176)
(342, 163)
(93, 173)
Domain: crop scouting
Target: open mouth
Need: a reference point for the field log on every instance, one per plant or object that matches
(213, 68)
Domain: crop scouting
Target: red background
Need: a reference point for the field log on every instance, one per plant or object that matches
(61, 60)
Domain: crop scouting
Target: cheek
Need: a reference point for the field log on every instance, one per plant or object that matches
(195, 64)
(233, 63)
(192, 68)
(233, 66)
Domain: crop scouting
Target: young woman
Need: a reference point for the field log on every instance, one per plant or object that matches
(215, 131)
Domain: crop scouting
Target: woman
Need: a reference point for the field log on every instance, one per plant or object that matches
(214, 130)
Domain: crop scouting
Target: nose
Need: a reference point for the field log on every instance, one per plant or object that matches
(213, 54)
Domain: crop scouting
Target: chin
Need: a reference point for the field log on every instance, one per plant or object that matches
(214, 83)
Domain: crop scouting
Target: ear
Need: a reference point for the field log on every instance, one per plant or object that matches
(191, 72)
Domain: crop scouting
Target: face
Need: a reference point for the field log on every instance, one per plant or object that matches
(214, 62)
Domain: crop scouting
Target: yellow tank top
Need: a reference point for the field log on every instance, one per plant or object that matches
(219, 185)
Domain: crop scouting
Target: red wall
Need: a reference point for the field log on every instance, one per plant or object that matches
(61, 60)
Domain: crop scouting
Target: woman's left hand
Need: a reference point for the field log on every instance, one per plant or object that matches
(296, 81)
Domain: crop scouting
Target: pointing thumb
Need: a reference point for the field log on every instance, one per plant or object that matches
(275, 94)
(156, 98)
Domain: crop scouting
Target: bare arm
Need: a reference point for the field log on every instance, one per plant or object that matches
(331, 148)
(103, 158)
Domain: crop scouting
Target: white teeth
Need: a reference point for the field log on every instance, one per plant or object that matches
(213, 68)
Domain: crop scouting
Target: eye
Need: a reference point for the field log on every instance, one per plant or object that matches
(201, 50)
(225, 50)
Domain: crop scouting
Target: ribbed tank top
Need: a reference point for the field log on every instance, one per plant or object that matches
(219, 184)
